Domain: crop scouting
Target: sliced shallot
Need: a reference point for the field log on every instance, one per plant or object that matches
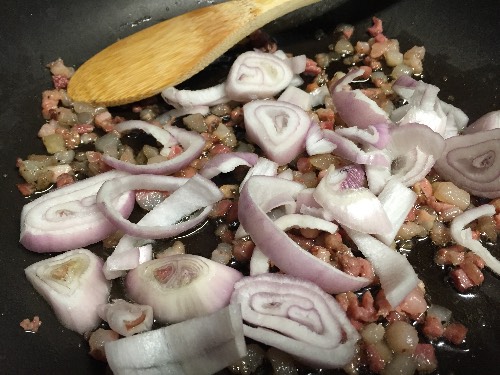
(126, 318)
(199, 346)
(489, 121)
(396, 274)
(182, 286)
(356, 208)
(472, 162)
(260, 195)
(463, 235)
(223, 163)
(257, 75)
(163, 221)
(73, 284)
(297, 317)
(279, 128)
(191, 142)
(194, 98)
(68, 218)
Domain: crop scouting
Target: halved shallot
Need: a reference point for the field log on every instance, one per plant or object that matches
(182, 286)
(472, 162)
(260, 195)
(395, 272)
(279, 128)
(297, 317)
(257, 75)
(463, 235)
(199, 346)
(126, 318)
(191, 142)
(68, 218)
(73, 284)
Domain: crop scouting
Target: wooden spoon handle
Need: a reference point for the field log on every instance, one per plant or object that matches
(171, 51)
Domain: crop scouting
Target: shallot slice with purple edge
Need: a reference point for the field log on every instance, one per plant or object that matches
(68, 218)
(199, 346)
(472, 162)
(257, 75)
(356, 208)
(192, 144)
(260, 195)
(182, 286)
(126, 318)
(223, 163)
(297, 317)
(73, 284)
(278, 128)
(463, 235)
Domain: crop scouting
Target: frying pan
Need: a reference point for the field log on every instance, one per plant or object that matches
(463, 54)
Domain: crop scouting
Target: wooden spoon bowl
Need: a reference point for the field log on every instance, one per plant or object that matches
(170, 52)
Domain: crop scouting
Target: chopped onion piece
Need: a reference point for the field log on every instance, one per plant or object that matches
(357, 208)
(489, 121)
(193, 98)
(472, 162)
(259, 262)
(257, 75)
(296, 96)
(263, 167)
(297, 317)
(397, 200)
(463, 236)
(73, 284)
(200, 346)
(414, 148)
(279, 128)
(68, 218)
(260, 195)
(354, 107)
(316, 143)
(376, 135)
(396, 274)
(223, 163)
(182, 286)
(192, 143)
(126, 318)
(163, 220)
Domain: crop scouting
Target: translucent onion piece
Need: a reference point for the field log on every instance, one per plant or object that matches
(396, 274)
(472, 162)
(224, 163)
(126, 318)
(68, 218)
(414, 148)
(260, 195)
(192, 143)
(397, 200)
(376, 135)
(200, 346)
(316, 144)
(297, 317)
(489, 121)
(193, 98)
(463, 236)
(357, 208)
(182, 286)
(257, 75)
(354, 107)
(163, 221)
(296, 96)
(279, 128)
(73, 284)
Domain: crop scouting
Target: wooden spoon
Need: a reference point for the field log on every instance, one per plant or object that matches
(172, 51)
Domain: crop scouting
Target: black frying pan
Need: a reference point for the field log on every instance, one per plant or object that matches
(463, 54)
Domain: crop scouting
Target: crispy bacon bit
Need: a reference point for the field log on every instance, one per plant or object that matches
(376, 28)
(460, 280)
(243, 250)
(26, 189)
(221, 208)
(31, 325)
(455, 333)
(97, 340)
(64, 179)
(60, 82)
(312, 68)
(433, 328)
(361, 310)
